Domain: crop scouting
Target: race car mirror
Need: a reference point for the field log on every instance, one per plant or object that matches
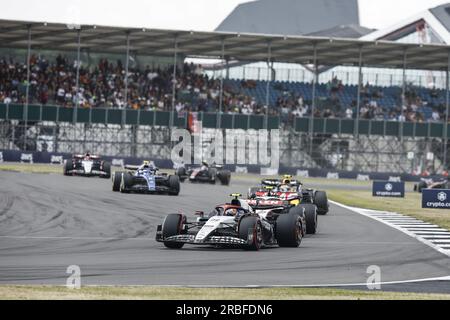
(199, 213)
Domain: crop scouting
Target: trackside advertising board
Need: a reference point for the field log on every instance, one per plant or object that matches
(388, 189)
(436, 198)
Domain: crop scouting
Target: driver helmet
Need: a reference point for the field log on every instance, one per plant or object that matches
(231, 212)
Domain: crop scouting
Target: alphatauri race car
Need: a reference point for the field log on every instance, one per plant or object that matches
(145, 179)
(235, 224)
(292, 191)
(440, 183)
(87, 165)
(204, 173)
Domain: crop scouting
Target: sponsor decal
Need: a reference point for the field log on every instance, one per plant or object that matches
(363, 177)
(26, 157)
(388, 189)
(241, 169)
(269, 171)
(332, 175)
(118, 162)
(436, 198)
(303, 173)
(395, 179)
(56, 159)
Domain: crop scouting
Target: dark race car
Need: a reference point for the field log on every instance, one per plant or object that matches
(291, 190)
(234, 224)
(145, 179)
(87, 165)
(269, 203)
(204, 173)
(432, 183)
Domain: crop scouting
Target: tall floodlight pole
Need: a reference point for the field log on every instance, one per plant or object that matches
(77, 79)
(358, 98)
(313, 102)
(269, 58)
(403, 94)
(446, 111)
(219, 114)
(174, 82)
(27, 88)
(127, 34)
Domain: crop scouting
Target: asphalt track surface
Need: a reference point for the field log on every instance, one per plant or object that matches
(49, 221)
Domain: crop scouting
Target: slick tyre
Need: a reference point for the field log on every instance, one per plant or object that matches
(116, 179)
(181, 173)
(224, 177)
(321, 201)
(67, 167)
(107, 169)
(310, 217)
(125, 182)
(174, 185)
(251, 226)
(172, 226)
(422, 185)
(288, 230)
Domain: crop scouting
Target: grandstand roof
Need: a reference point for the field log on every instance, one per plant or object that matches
(242, 47)
(294, 17)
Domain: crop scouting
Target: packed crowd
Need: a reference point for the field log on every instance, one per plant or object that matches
(103, 85)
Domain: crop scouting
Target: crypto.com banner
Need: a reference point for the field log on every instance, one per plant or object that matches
(436, 198)
(388, 189)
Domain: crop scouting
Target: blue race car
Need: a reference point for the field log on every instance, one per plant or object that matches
(145, 179)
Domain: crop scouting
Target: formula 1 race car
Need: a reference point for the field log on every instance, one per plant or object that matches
(204, 173)
(440, 183)
(235, 224)
(145, 179)
(87, 165)
(265, 205)
(291, 190)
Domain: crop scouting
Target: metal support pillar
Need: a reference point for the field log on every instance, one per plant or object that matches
(269, 79)
(27, 89)
(219, 113)
(313, 102)
(358, 98)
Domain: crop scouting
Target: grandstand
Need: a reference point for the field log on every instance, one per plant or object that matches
(113, 106)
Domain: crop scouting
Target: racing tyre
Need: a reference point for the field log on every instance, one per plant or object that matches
(288, 230)
(251, 225)
(67, 167)
(174, 185)
(224, 177)
(107, 169)
(116, 179)
(422, 185)
(125, 182)
(321, 201)
(310, 217)
(181, 173)
(172, 226)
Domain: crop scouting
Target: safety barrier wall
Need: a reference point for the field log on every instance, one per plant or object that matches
(58, 158)
(131, 117)
(227, 121)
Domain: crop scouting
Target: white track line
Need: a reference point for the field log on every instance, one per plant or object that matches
(380, 216)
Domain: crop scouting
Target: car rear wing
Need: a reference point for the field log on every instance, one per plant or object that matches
(130, 167)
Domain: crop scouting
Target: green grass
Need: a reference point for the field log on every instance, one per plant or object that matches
(410, 205)
(181, 293)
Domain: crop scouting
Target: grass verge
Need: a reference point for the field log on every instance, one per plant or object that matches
(410, 205)
(180, 293)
